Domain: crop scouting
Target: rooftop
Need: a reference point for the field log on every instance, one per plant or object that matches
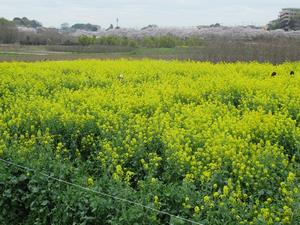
(291, 9)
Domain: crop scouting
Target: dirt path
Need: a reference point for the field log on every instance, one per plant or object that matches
(42, 53)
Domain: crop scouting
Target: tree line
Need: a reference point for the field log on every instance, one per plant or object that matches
(164, 41)
(32, 33)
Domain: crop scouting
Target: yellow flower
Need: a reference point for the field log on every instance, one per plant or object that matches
(128, 176)
(287, 210)
(90, 181)
(197, 209)
(266, 213)
(291, 177)
(119, 170)
(225, 190)
(286, 220)
(189, 177)
(156, 200)
(206, 199)
(216, 194)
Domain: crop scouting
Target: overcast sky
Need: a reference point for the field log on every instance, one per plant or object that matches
(138, 13)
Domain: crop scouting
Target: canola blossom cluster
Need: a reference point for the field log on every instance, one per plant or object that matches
(208, 142)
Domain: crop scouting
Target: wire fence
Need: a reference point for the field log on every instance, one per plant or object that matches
(98, 192)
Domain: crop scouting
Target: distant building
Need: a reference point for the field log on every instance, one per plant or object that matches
(289, 19)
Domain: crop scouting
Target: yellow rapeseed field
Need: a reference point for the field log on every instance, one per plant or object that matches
(215, 143)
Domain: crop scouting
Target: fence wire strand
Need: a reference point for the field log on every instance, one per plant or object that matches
(98, 192)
